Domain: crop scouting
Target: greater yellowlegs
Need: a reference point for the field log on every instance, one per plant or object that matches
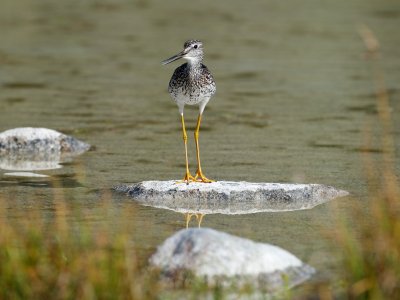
(192, 84)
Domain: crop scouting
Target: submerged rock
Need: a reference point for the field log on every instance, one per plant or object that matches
(228, 197)
(218, 257)
(37, 148)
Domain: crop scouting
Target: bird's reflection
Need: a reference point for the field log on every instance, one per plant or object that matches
(199, 217)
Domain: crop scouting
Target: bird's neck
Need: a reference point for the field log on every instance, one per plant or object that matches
(194, 63)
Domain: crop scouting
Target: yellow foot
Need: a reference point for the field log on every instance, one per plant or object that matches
(188, 178)
(201, 178)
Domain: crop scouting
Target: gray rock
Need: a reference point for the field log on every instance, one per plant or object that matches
(218, 257)
(28, 139)
(228, 197)
(37, 148)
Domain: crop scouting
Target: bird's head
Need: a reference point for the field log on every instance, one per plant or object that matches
(192, 51)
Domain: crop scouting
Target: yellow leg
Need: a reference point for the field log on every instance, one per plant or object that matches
(199, 173)
(199, 219)
(188, 177)
(188, 217)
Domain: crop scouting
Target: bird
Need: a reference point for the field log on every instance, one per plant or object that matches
(192, 84)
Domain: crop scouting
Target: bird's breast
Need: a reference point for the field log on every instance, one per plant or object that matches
(191, 87)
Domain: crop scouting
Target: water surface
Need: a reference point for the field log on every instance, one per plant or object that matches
(295, 99)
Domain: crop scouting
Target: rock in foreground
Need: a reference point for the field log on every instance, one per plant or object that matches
(220, 257)
(228, 197)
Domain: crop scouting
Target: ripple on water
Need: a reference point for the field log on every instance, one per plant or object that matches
(24, 85)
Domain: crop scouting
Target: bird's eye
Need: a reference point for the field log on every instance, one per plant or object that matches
(195, 46)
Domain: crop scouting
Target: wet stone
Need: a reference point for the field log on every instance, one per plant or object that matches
(37, 148)
(221, 258)
(28, 139)
(227, 197)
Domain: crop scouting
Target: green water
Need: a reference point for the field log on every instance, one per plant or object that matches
(295, 99)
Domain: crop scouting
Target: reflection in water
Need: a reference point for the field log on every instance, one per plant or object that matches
(198, 216)
(31, 161)
(27, 179)
(25, 174)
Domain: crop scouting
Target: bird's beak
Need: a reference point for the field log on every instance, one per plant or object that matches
(173, 58)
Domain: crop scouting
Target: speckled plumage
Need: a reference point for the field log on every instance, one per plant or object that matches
(191, 83)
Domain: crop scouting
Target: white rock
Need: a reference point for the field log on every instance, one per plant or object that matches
(30, 133)
(29, 149)
(30, 139)
(228, 197)
(217, 256)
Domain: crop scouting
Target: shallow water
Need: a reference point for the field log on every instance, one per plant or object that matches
(295, 99)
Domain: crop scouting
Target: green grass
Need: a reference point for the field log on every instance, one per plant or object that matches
(369, 236)
(57, 260)
(372, 254)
